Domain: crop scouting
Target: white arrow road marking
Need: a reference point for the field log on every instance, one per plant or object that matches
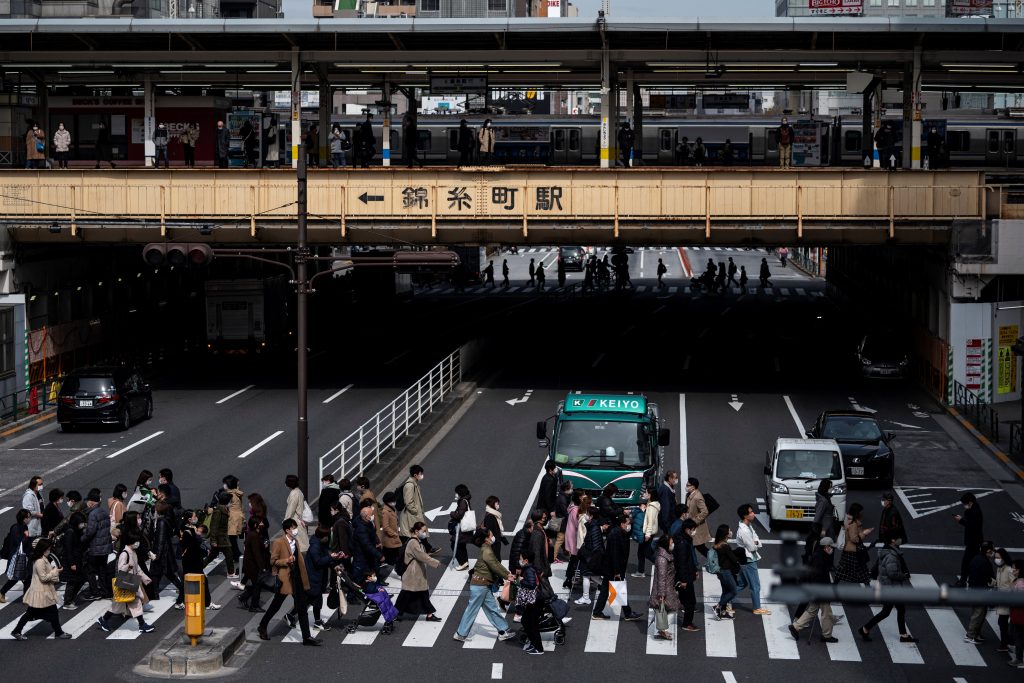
(438, 511)
(903, 424)
(524, 399)
(735, 403)
(857, 406)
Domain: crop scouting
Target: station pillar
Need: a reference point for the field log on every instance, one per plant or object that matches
(915, 124)
(385, 135)
(638, 125)
(324, 121)
(607, 100)
(148, 120)
(296, 107)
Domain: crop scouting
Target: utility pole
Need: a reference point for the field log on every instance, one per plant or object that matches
(302, 287)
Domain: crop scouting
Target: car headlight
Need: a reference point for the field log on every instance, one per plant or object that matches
(904, 361)
(865, 361)
(838, 489)
(779, 488)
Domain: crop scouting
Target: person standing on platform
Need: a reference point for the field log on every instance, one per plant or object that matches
(222, 143)
(784, 134)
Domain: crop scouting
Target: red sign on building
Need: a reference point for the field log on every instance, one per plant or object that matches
(824, 7)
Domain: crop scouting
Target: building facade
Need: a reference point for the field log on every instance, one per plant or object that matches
(898, 8)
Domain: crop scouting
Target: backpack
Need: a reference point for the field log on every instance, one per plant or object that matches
(400, 496)
(712, 565)
(710, 503)
(400, 565)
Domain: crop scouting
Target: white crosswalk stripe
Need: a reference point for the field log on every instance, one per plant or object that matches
(776, 625)
(846, 649)
(656, 646)
(949, 626)
(720, 640)
(445, 596)
(901, 653)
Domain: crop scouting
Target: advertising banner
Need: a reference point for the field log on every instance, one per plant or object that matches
(825, 7)
(959, 8)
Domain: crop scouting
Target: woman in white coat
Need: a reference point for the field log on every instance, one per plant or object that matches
(128, 561)
(295, 508)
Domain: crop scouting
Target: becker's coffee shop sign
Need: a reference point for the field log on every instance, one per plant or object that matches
(824, 7)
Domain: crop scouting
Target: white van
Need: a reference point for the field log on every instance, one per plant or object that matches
(793, 470)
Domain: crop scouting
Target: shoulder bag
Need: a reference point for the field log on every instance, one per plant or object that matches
(307, 513)
(127, 581)
(467, 525)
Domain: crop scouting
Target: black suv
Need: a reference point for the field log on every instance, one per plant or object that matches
(103, 395)
(866, 449)
(573, 258)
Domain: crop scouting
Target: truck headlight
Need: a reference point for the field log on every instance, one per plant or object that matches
(865, 361)
(837, 489)
(779, 488)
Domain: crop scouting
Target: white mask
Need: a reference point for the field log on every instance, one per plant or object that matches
(295, 532)
(422, 535)
(883, 503)
(135, 546)
(999, 562)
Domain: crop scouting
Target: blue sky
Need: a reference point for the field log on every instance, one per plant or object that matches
(680, 8)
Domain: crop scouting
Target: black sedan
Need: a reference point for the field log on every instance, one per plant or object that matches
(103, 396)
(879, 355)
(866, 449)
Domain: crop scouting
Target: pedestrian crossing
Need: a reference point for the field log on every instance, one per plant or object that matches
(940, 629)
(643, 290)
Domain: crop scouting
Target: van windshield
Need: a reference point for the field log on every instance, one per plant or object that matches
(803, 464)
(603, 445)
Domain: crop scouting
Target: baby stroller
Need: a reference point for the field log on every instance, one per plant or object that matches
(551, 621)
(376, 603)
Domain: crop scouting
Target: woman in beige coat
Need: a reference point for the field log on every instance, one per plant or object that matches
(128, 561)
(34, 138)
(415, 595)
(41, 596)
(236, 515)
(293, 509)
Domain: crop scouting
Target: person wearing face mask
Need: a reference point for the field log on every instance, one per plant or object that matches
(651, 513)
(485, 142)
(414, 598)
(463, 504)
(1004, 582)
(391, 543)
(972, 521)
(784, 135)
(667, 500)
(980, 577)
(892, 571)
(103, 147)
(116, 507)
(99, 544)
(62, 145)
(74, 559)
(144, 496)
(664, 598)
(219, 544)
(723, 563)
(748, 540)
(697, 510)
(32, 500)
(687, 572)
(35, 147)
(411, 511)
(819, 571)
(41, 597)
(160, 142)
(17, 541)
(236, 515)
(366, 552)
(295, 506)
(493, 522)
(487, 572)
(528, 599)
(891, 520)
(52, 514)
(221, 145)
(562, 515)
(1017, 616)
(128, 561)
(572, 537)
(289, 565)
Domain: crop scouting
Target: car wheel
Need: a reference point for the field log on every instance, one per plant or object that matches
(149, 408)
(124, 419)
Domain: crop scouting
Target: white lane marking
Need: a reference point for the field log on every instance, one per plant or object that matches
(673, 290)
(686, 363)
(528, 507)
(720, 639)
(683, 446)
(656, 646)
(901, 653)
(783, 291)
(484, 635)
(796, 418)
(904, 424)
(846, 649)
(231, 396)
(801, 291)
(3, 510)
(337, 394)
(603, 633)
(367, 635)
(140, 441)
(729, 677)
(50, 471)
(949, 626)
(776, 625)
(294, 635)
(642, 262)
(424, 633)
(496, 671)
(265, 441)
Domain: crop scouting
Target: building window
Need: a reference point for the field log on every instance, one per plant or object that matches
(910, 3)
(928, 3)
(894, 3)
(430, 5)
(496, 5)
(876, 3)
(6, 342)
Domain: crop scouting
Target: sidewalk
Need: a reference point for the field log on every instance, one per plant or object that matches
(1009, 415)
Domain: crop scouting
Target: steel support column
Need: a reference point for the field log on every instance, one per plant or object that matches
(385, 142)
(638, 125)
(148, 120)
(296, 107)
(916, 124)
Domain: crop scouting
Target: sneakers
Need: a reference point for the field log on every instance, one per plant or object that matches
(582, 601)
(461, 638)
(71, 607)
(632, 616)
(19, 636)
(638, 575)
(63, 636)
(717, 612)
(321, 625)
(689, 628)
(146, 628)
(762, 611)
(829, 639)
(973, 639)
(502, 635)
(104, 626)
(462, 567)
(599, 616)
(92, 597)
(179, 605)
(534, 651)
(148, 607)
(237, 585)
(213, 606)
(793, 632)
(233, 577)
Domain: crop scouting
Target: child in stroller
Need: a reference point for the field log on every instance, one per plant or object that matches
(376, 603)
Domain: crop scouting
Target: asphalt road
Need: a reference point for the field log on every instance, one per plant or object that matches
(784, 356)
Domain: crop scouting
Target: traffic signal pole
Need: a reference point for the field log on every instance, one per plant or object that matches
(301, 302)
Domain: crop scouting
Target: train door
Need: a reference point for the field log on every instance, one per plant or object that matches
(574, 151)
(666, 146)
(771, 146)
(1000, 146)
(559, 145)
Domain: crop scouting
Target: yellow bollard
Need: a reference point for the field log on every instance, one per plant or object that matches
(195, 606)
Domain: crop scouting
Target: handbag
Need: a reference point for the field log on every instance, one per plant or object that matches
(121, 595)
(526, 596)
(467, 524)
(661, 617)
(268, 580)
(127, 581)
(40, 146)
(741, 555)
(307, 514)
(18, 565)
(505, 594)
(554, 524)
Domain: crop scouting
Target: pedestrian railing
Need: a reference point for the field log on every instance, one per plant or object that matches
(365, 446)
(31, 400)
(981, 413)
(1016, 439)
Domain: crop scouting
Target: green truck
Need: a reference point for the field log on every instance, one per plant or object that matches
(601, 439)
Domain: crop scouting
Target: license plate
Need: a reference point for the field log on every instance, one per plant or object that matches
(794, 514)
(856, 471)
(85, 403)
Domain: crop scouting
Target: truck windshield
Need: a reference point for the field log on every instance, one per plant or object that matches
(800, 464)
(597, 444)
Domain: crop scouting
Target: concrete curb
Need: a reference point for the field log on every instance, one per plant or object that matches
(986, 442)
(28, 423)
(174, 657)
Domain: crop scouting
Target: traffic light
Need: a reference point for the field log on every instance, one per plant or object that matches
(177, 253)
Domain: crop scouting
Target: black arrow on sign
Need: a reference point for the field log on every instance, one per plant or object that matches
(365, 198)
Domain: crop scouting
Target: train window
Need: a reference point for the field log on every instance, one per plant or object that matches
(453, 140)
(1008, 142)
(423, 142)
(559, 140)
(574, 140)
(852, 141)
(665, 140)
(993, 141)
(958, 140)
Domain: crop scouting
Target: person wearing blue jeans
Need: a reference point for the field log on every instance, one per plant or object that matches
(747, 539)
(488, 572)
(727, 568)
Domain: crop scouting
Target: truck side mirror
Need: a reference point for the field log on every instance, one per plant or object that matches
(542, 430)
(664, 437)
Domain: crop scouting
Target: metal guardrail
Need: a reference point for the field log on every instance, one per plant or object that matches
(1016, 439)
(373, 438)
(21, 403)
(981, 413)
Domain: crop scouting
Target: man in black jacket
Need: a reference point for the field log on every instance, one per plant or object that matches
(547, 500)
(980, 577)
(330, 492)
(615, 557)
(366, 553)
(667, 500)
(687, 572)
(972, 522)
(607, 509)
(819, 570)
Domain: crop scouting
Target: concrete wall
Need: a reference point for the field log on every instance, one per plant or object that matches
(980, 337)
